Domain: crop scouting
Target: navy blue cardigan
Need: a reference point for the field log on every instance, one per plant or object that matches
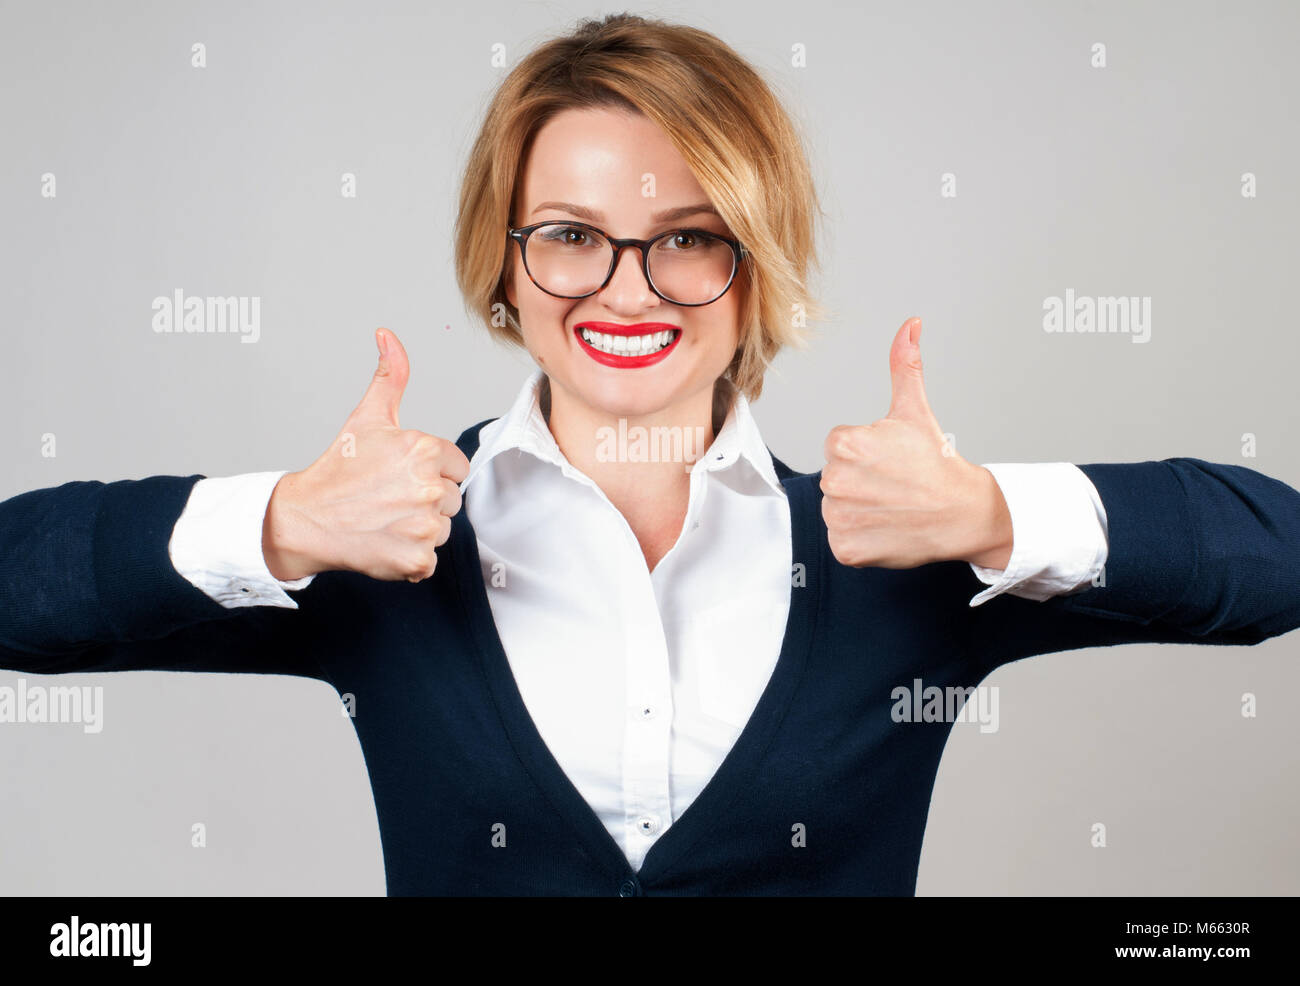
(1200, 553)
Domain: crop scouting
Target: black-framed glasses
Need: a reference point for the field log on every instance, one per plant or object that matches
(568, 259)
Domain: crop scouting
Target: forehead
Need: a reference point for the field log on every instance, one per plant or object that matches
(618, 163)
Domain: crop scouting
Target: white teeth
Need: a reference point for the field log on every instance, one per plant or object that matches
(627, 345)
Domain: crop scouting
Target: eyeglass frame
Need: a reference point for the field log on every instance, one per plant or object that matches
(520, 235)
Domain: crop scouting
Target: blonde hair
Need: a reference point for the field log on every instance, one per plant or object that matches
(724, 120)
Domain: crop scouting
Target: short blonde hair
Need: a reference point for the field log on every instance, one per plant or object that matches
(724, 120)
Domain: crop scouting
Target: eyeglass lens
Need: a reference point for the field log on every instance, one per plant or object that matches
(689, 267)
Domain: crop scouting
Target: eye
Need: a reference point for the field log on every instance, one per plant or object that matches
(564, 235)
(683, 240)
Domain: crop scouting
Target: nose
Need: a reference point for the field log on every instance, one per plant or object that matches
(628, 287)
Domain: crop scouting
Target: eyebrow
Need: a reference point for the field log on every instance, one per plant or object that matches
(596, 216)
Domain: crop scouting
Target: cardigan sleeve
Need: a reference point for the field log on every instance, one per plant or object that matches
(1199, 553)
(87, 584)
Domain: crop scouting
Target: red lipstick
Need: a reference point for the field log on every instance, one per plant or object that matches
(617, 329)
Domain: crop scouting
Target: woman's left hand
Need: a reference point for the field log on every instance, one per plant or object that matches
(897, 495)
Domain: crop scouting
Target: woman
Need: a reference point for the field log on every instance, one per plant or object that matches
(629, 668)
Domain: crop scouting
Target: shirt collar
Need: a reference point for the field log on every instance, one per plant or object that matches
(524, 428)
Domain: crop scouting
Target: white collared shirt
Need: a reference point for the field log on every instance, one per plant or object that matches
(639, 681)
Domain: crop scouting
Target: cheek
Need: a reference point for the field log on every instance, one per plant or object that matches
(542, 319)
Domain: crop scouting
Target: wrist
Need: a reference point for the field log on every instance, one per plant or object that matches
(992, 537)
(288, 538)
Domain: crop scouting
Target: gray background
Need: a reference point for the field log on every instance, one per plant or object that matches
(225, 180)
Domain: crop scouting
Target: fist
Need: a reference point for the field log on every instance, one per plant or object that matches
(895, 492)
(378, 501)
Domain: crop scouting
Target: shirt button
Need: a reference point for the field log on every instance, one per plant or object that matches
(648, 824)
(627, 889)
(646, 712)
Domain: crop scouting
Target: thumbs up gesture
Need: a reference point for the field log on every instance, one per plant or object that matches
(379, 500)
(897, 495)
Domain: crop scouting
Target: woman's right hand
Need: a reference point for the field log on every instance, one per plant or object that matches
(378, 501)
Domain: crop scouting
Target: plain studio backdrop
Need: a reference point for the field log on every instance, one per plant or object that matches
(1117, 180)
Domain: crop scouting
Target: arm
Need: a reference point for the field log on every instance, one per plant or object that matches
(87, 584)
(1199, 553)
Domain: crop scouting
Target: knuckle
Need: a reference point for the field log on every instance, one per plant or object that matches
(833, 441)
(833, 514)
(837, 546)
(443, 531)
(458, 467)
(420, 564)
(455, 501)
(844, 442)
(424, 444)
(835, 482)
(449, 496)
(847, 553)
(443, 495)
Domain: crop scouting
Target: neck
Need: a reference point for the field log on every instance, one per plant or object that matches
(640, 463)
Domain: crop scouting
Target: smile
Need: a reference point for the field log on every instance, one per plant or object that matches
(627, 346)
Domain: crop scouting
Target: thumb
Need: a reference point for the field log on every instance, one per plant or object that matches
(908, 395)
(384, 395)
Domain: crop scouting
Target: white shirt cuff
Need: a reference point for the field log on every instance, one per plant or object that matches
(217, 542)
(1060, 532)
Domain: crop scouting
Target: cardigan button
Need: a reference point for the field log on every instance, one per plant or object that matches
(627, 889)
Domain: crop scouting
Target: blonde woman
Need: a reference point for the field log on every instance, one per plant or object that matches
(579, 665)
